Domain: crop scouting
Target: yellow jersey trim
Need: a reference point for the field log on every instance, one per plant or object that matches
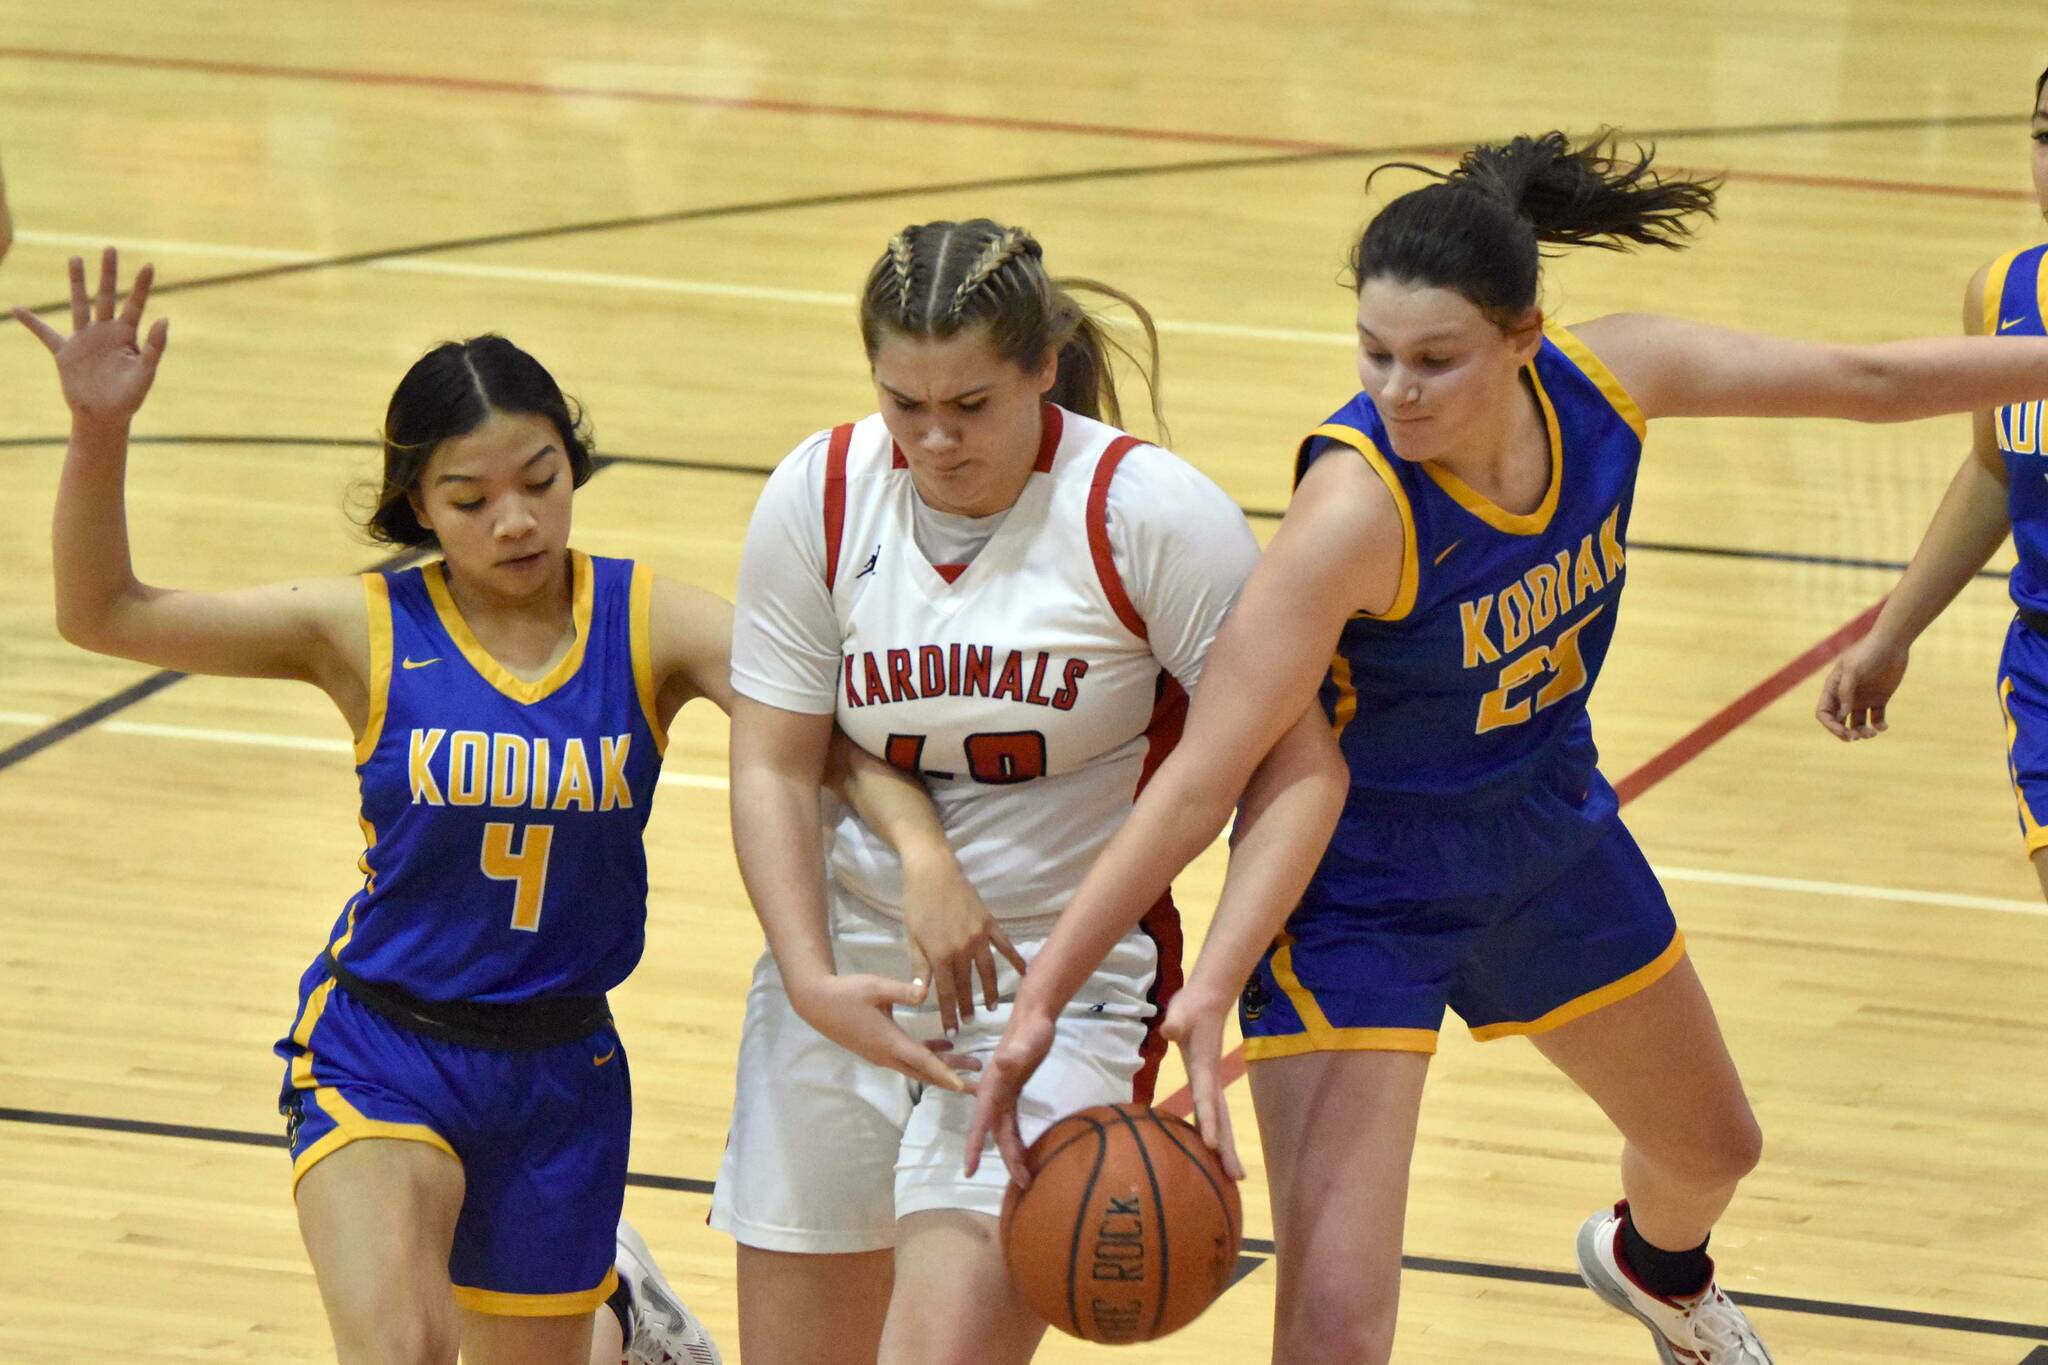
(1994, 289)
(1581, 355)
(1320, 1035)
(377, 607)
(1421, 1040)
(1411, 573)
(643, 653)
(582, 593)
(502, 1305)
(1641, 979)
(2036, 837)
(350, 1126)
(1479, 505)
(1347, 694)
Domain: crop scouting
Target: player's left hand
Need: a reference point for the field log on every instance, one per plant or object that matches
(952, 936)
(1860, 686)
(1023, 1047)
(1194, 1022)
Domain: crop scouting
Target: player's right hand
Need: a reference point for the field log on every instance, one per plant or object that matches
(1860, 686)
(853, 1011)
(105, 374)
(1195, 1024)
(1023, 1047)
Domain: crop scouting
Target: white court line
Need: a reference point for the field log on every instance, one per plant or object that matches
(707, 782)
(646, 284)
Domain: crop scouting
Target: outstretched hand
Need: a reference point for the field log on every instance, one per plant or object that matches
(105, 372)
(1197, 1028)
(854, 1012)
(1023, 1047)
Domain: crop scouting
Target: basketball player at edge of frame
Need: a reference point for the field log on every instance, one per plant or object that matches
(1446, 581)
(458, 1098)
(2001, 489)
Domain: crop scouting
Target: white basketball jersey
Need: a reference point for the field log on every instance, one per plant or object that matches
(1023, 690)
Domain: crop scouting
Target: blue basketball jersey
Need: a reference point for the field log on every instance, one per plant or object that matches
(2013, 306)
(504, 817)
(1479, 673)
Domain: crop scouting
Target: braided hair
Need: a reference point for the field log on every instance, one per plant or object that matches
(936, 280)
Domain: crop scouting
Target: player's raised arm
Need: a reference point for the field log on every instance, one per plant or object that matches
(311, 630)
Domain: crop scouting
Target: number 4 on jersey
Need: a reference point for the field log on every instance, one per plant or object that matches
(526, 867)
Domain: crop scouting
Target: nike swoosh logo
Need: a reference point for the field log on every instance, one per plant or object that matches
(2005, 323)
(419, 663)
(1447, 551)
(600, 1061)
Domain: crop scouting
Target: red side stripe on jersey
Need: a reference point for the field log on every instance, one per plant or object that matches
(835, 499)
(1098, 535)
(1162, 922)
(1050, 423)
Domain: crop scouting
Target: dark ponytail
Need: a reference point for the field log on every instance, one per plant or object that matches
(938, 279)
(1478, 230)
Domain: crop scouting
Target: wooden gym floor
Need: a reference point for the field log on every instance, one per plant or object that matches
(672, 206)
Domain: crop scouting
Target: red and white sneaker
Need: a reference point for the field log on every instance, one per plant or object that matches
(1702, 1329)
(664, 1331)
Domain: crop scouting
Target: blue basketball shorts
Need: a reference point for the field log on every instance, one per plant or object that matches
(2023, 697)
(541, 1136)
(1352, 975)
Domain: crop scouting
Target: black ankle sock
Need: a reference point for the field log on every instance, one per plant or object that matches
(1673, 1274)
(621, 1304)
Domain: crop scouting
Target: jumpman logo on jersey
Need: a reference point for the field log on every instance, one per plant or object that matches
(869, 567)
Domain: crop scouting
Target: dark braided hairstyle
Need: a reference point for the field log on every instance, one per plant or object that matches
(936, 280)
(1479, 228)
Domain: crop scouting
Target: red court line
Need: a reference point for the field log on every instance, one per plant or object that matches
(481, 86)
(1710, 732)
(477, 85)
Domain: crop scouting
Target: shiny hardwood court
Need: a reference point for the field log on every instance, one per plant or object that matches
(672, 207)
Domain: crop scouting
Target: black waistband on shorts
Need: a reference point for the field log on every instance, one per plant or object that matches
(527, 1026)
(2036, 621)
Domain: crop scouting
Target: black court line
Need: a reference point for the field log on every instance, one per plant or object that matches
(1255, 1248)
(1033, 180)
(58, 731)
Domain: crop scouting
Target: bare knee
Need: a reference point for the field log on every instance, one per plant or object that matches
(409, 1338)
(1335, 1323)
(1718, 1154)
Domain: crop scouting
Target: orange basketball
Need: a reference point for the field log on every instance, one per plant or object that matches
(1130, 1227)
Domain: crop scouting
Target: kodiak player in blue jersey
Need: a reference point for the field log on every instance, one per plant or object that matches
(457, 1098)
(1446, 579)
(2001, 489)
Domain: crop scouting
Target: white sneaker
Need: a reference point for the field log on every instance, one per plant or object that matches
(664, 1332)
(1701, 1329)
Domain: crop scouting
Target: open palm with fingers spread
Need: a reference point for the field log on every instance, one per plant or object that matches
(105, 365)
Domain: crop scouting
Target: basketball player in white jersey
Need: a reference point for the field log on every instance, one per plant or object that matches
(987, 585)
